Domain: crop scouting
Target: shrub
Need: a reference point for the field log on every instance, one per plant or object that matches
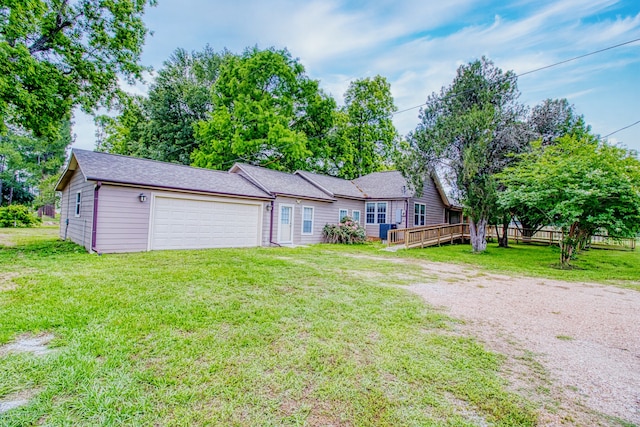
(348, 231)
(17, 216)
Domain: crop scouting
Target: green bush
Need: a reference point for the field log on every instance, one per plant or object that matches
(18, 216)
(348, 231)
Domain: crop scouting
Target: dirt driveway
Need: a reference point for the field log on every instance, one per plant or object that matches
(572, 347)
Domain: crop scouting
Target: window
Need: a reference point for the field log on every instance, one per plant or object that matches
(382, 212)
(376, 213)
(356, 216)
(419, 214)
(78, 200)
(307, 220)
(342, 214)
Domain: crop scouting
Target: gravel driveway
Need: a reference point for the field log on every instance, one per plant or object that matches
(572, 347)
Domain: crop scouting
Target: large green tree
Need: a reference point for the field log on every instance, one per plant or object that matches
(547, 122)
(579, 184)
(365, 138)
(265, 112)
(58, 54)
(468, 132)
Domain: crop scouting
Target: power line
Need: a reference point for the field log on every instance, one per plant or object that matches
(621, 129)
(538, 69)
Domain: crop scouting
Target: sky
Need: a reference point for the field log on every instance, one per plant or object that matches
(418, 46)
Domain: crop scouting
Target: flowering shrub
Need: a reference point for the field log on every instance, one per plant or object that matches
(348, 231)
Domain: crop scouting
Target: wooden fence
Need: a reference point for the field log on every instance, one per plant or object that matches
(433, 235)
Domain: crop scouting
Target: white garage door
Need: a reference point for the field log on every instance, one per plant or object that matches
(179, 223)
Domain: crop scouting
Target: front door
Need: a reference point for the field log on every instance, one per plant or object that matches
(285, 230)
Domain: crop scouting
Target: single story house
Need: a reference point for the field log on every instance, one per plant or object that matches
(112, 203)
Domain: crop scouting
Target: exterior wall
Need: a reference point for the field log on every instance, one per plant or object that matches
(323, 213)
(434, 205)
(123, 221)
(373, 230)
(72, 227)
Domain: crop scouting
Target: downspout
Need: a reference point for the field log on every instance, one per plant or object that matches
(96, 189)
(406, 213)
(66, 221)
(271, 242)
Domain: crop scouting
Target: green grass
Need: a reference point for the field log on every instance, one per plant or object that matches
(620, 268)
(264, 336)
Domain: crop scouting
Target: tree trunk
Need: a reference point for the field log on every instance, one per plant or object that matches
(568, 245)
(503, 241)
(478, 234)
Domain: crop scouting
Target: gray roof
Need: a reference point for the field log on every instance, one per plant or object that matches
(384, 185)
(335, 186)
(150, 173)
(282, 183)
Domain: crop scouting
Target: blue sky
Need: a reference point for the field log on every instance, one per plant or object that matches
(418, 45)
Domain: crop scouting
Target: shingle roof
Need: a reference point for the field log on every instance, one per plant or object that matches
(130, 170)
(282, 183)
(336, 186)
(384, 185)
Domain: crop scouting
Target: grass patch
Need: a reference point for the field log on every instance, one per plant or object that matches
(595, 265)
(277, 336)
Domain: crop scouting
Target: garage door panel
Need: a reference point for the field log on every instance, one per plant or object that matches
(180, 223)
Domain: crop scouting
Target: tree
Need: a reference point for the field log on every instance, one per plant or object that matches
(365, 139)
(581, 185)
(468, 132)
(547, 122)
(263, 105)
(29, 166)
(126, 133)
(57, 54)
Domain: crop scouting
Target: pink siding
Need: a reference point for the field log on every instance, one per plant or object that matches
(123, 221)
(78, 229)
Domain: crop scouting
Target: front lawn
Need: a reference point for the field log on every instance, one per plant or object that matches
(263, 336)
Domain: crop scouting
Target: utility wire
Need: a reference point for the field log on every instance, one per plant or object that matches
(536, 70)
(621, 129)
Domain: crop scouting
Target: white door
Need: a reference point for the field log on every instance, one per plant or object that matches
(285, 230)
(196, 223)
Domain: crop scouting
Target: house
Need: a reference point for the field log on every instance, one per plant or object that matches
(112, 203)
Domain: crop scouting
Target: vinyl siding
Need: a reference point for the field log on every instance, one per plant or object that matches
(373, 230)
(434, 205)
(123, 221)
(78, 229)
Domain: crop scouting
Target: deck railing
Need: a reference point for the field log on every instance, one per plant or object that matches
(432, 235)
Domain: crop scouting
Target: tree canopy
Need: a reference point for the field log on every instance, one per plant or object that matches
(55, 55)
(365, 139)
(468, 131)
(579, 184)
(263, 104)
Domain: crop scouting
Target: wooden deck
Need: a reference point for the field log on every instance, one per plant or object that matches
(435, 235)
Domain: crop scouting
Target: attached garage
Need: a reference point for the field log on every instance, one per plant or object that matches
(200, 222)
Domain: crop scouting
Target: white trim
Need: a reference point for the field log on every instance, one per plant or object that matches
(280, 206)
(340, 216)
(310, 233)
(416, 204)
(170, 195)
(359, 220)
(77, 209)
(376, 213)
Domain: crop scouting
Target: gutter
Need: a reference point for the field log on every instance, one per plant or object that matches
(94, 227)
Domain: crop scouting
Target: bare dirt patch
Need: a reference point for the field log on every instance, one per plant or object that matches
(573, 348)
(36, 345)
